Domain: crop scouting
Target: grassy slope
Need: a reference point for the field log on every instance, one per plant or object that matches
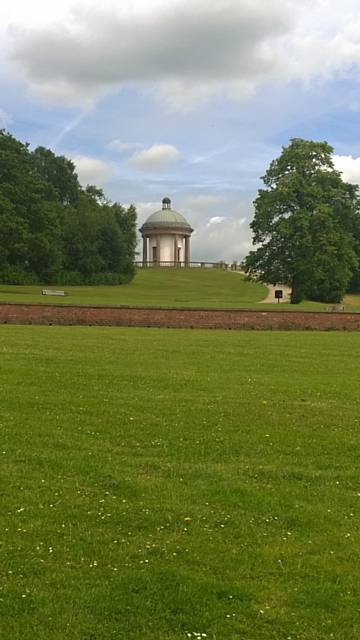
(169, 287)
(160, 483)
(159, 287)
(352, 301)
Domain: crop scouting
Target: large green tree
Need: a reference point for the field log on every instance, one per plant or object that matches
(304, 224)
(59, 172)
(52, 230)
(29, 216)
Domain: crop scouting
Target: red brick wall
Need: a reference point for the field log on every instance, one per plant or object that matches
(178, 318)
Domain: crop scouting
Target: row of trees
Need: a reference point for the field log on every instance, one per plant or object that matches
(54, 231)
(307, 225)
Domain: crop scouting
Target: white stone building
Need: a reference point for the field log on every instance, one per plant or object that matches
(166, 238)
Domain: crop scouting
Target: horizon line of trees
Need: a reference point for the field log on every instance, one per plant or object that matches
(54, 231)
(306, 226)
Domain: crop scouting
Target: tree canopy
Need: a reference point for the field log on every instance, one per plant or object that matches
(53, 230)
(306, 225)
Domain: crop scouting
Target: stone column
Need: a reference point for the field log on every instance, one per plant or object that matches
(158, 247)
(187, 251)
(145, 244)
(175, 250)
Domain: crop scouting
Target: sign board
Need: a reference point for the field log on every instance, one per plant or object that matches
(278, 294)
(51, 292)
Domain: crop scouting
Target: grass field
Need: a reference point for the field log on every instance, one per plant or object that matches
(170, 288)
(156, 287)
(161, 485)
(352, 301)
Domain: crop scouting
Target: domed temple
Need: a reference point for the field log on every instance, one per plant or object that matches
(166, 238)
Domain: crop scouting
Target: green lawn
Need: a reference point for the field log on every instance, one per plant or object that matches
(168, 484)
(170, 288)
(156, 287)
(352, 301)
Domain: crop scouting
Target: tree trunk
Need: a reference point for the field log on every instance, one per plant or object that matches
(297, 291)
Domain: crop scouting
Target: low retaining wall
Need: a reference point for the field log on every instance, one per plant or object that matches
(41, 314)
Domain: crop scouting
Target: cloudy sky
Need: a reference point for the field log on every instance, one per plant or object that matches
(185, 98)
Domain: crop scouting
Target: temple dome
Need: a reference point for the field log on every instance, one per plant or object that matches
(166, 238)
(166, 217)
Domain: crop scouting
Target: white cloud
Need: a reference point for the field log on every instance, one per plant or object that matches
(93, 171)
(74, 51)
(222, 238)
(216, 220)
(145, 209)
(34, 13)
(349, 167)
(156, 158)
(5, 119)
(190, 51)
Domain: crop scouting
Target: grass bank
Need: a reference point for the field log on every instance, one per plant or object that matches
(161, 484)
(156, 287)
(170, 288)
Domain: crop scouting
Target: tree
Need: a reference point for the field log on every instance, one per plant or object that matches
(52, 230)
(59, 172)
(304, 224)
(29, 213)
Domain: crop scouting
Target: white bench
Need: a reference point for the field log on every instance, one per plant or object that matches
(52, 292)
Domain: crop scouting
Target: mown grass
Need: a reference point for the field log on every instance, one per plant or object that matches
(159, 484)
(155, 287)
(352, 301)
(170, 288)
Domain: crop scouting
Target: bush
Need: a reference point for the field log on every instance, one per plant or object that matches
(15, 275)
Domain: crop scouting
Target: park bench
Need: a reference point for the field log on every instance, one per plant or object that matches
(52, 292)
(336, 307)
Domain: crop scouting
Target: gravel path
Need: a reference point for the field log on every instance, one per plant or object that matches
(270, 298)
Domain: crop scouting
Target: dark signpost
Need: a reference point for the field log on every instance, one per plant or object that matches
(278, 295)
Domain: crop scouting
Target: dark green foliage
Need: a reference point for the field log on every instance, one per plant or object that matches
(355, 281)
(59, 172)
(305, 224)
(52, 230)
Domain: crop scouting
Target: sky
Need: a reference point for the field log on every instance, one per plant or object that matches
(189, 99)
